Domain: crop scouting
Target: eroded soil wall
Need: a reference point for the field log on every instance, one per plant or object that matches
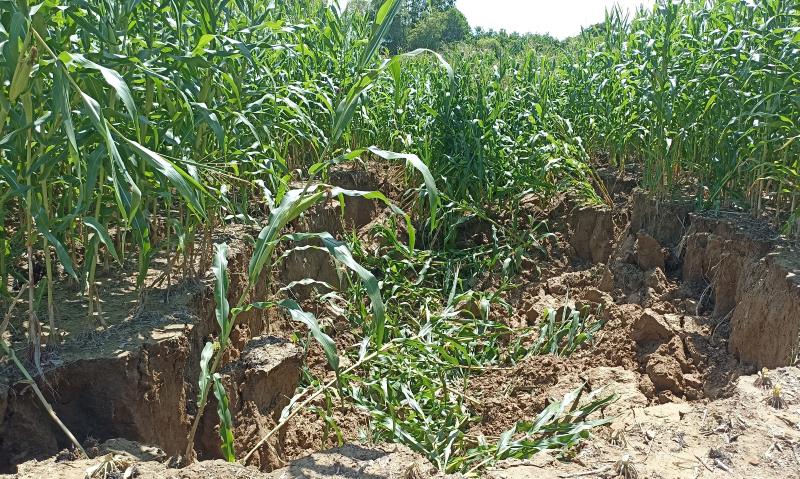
(147, 393)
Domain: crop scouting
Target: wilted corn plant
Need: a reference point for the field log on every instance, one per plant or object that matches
(415, 389)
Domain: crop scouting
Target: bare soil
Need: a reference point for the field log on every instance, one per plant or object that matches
(694, 305)
(740, 436)
(347, 462)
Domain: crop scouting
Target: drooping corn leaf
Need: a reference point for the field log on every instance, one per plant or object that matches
(188, 187)
(430, 184)
(341, 253)
(102, 235)
(325, 341)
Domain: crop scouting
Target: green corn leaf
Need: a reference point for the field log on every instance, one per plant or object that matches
(102, 235)
(378, 196)
(341, 253)
(383, 21)
(430, 184)
(61, 89)
(395, 60)
(205, 363)
(187, 186)
(210, 118)
(43, 225)
(325, 341)
(293, 203)
(15, 187)
(220, 270)
(225, 422)
(141, 232)
(204, 41)
(128, 198)
(111, 77)
(346, 108)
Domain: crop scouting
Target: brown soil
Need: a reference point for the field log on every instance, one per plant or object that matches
(693, 305)
(347, 462)
(591, 232)
(137, 377)
(739, 437)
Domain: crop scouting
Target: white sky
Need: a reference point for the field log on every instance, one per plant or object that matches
(560, 18)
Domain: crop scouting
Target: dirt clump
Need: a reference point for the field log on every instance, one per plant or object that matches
(310, 432)
(651, 327)
(259, 385)
(648, 252)
(765, 324)
(591, 232)
(665, 373)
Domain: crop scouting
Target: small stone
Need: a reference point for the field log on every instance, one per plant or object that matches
(651, 327)
(665, 372)
(606, 282)
(649, 254)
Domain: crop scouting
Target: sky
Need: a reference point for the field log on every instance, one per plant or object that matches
(559, 18)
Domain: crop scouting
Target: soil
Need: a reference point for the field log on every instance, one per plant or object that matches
(737, 437)
(693, 305)
(347, 462)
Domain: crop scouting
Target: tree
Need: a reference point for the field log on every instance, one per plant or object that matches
(439, 28)
(411, 14)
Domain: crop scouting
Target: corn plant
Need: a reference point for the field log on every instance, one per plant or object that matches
(702, 94)
(415, 388)
(561, 425)
(564, 330)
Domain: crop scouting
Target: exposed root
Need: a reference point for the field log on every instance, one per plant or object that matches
(112, 466)
(763, 381)
(625, 468)
(775, 400)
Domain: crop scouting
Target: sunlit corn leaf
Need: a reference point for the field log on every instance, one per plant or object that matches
(205, 363)
(225, 421)
(222, 311)
(325, 341)
(430, 184)
(342, 254)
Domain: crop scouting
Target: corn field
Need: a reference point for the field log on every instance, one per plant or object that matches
(133, 130)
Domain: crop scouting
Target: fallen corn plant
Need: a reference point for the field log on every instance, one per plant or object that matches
(561, 426)
(415, 388)
(294, 203)
(564, 330)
